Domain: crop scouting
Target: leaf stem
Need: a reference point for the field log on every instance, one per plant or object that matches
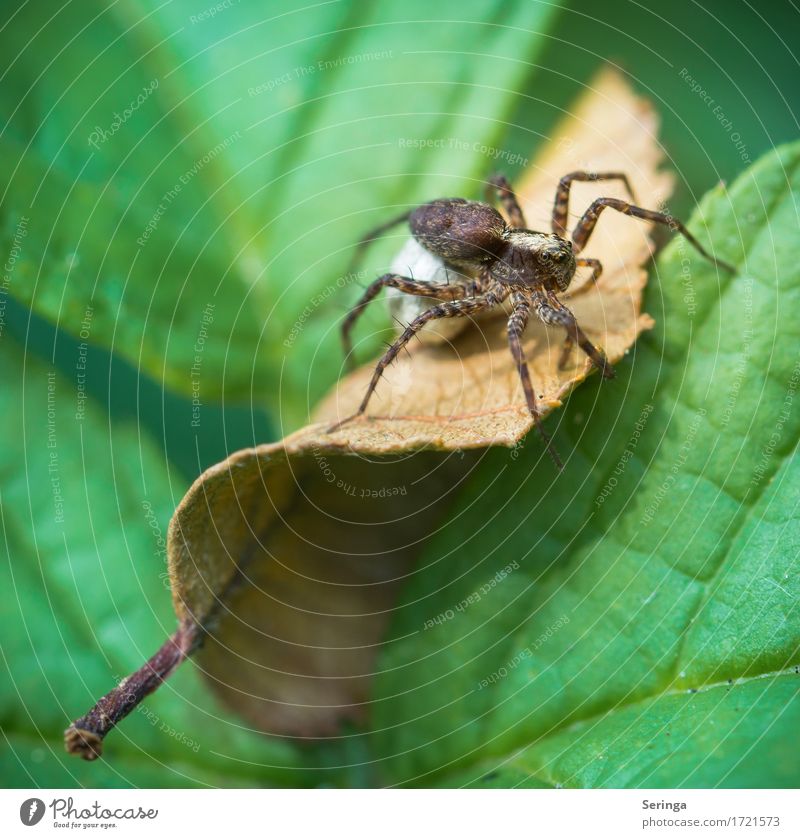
(84, 737)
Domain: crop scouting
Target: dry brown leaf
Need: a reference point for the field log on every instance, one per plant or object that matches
(285, 559)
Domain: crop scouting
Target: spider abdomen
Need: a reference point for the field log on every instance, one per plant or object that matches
(460, 231)
(416, 261)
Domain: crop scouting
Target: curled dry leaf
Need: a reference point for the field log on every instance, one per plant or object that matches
(285, 559)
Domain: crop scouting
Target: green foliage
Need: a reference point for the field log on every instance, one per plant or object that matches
(242, 178)
(84, 508)
(247, 172)
(646, 636)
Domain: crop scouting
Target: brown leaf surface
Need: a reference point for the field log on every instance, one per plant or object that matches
(290, 559)
(285, 559)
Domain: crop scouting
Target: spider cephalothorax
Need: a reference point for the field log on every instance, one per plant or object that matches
(508, 261)
(469, 234)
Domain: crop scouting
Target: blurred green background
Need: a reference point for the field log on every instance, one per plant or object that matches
(274, 135)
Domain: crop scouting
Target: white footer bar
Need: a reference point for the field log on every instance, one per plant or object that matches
(388, 813)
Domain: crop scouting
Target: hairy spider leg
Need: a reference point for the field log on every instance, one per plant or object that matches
(499, 187)
(456, 308)
(516, 327)
(375, 233)
(584, 228)
(566, 352)
(597, 269)
(550, 310)
(561, 204)
(439, 290)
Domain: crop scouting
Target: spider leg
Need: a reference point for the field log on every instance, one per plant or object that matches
(555, 313)
(586, 225)
(368, 238)
(561, 204)
(516, 326)
(440, 290)
(597, 269)
(499, 187)
(566, 351)
(456, 308)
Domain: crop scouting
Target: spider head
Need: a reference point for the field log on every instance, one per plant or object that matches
(542, 259)
(555, 263)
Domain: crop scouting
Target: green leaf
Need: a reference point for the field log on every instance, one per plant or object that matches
(84, 507)
(702, 739)
(273, 138)
(71, 75)
(631, 622)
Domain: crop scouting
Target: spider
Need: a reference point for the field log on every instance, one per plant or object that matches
(529, 267)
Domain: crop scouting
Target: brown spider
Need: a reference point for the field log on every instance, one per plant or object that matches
(532, 268)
